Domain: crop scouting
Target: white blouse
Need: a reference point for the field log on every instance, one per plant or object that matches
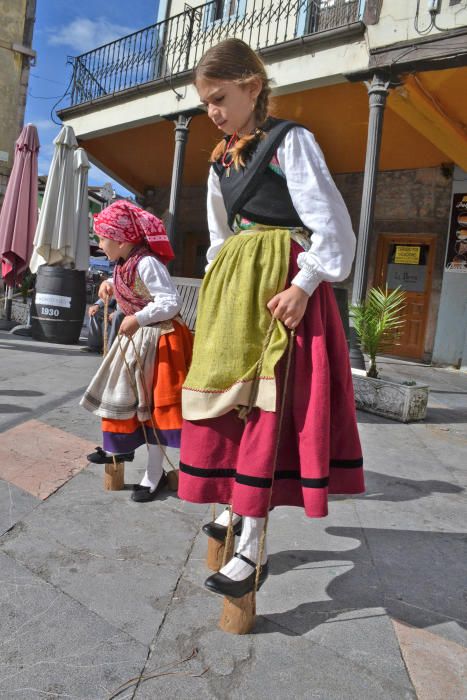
(167, 302)
(317, 201)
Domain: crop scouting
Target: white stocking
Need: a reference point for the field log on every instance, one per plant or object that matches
(248, 545)
(154, 469)
(223, 518)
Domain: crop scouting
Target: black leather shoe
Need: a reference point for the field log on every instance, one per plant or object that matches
(223, 585)
(101, 457)
(219, 532)
(143, 494)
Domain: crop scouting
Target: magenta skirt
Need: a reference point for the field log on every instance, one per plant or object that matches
(224, 460)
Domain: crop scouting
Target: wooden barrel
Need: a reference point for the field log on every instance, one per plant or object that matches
(59, 305)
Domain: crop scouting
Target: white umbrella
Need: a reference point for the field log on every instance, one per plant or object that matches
(80, 177)
(56, 233)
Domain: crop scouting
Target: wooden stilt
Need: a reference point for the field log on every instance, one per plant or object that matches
(239, 614)
(215, 555)
(114, 476)
(172, 480)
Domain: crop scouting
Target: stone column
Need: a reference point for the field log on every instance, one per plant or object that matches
(378, 91)
(182, 122)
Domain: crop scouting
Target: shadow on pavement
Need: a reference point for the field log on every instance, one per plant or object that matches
(13, 408)
(47, 350)
(416, 576)
(382, 487)
(20, 392)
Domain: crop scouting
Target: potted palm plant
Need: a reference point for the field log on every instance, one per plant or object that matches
(378, 321)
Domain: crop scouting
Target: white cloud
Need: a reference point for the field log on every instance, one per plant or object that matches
(83, 34)
(44, 124)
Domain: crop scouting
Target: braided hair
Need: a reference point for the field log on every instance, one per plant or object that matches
(234, 60)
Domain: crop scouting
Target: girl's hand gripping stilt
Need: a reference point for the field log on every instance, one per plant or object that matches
(289, 306)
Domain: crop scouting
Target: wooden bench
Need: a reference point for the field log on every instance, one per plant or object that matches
(188, 288)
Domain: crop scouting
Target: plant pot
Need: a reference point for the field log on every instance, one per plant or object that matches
(390, 398)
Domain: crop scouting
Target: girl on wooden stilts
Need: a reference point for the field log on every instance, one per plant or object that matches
(137, 389)
(280, 235)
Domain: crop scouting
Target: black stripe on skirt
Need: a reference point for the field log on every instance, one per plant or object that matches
(265, 483)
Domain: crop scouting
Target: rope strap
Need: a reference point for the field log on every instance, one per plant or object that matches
(105, 345)
(146, 397)
(243, 413)
(262, 540)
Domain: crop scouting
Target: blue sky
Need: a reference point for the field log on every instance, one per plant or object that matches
(65, 28)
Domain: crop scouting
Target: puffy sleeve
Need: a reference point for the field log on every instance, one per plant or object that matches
(167, 302)
(219, 229)
(320, 206)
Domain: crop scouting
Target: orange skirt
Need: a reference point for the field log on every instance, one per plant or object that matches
(173, 360)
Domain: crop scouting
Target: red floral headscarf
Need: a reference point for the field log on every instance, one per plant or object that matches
(124, 222)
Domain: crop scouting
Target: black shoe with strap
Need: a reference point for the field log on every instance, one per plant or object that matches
(143, 494)
(219, 532)
(100, 456)
(223, 585)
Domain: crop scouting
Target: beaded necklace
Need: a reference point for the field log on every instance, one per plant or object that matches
(227, 163)
(227, 158)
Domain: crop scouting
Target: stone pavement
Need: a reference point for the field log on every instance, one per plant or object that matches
(369, 603)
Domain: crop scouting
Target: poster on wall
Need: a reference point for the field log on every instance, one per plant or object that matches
(456, 255)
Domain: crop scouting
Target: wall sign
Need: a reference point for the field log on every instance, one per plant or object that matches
(456, 254)
(53, 300)
(407, 255)
(409, 278)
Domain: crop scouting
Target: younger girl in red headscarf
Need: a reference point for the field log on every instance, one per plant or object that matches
(151, 367)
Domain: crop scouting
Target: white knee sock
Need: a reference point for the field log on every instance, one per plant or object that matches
(248, 545)
(223, 518)
(154, 469)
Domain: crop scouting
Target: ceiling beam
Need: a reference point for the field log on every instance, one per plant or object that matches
(420, 109)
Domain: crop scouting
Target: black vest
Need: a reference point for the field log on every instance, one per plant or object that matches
(256, 191)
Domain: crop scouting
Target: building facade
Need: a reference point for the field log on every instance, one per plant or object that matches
(331, 62)
(16, 55)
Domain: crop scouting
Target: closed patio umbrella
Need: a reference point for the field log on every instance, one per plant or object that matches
(61, 245)
(54, 242)
(18, 216)
(80, 177)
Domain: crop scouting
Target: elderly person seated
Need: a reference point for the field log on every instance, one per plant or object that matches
(96, 325)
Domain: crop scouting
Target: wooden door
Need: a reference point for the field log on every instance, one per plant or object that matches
(407, 262)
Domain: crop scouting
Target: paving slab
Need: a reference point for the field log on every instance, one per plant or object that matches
(120, 559)
(36, 377)
(54, 647)
(39, 458)
(425, 569)
(438, 668)
(325, 590)
(14, 505)
(72, 418)
(263, 665)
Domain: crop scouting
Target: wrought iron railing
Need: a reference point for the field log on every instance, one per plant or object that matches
(173, 46)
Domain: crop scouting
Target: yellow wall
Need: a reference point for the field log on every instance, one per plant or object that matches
(12, 22)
